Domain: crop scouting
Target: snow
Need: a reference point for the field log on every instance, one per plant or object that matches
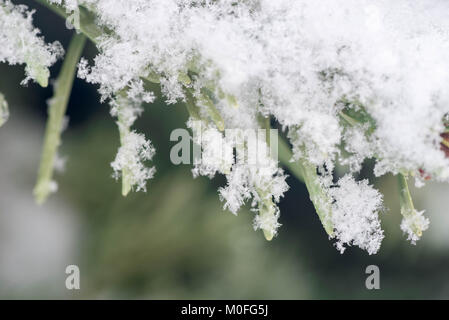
(20, 43)
(355, 214)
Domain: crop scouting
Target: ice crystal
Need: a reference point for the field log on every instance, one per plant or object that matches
(217, 151)
(413, 224)
(135, 149)
(355, 214)
(251, 172)
(129, 162)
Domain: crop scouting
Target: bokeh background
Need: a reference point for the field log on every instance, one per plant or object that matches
(175, 241)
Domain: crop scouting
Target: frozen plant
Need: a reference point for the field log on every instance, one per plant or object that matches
(345, 80)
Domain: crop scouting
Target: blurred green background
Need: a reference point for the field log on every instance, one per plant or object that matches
(175, 241)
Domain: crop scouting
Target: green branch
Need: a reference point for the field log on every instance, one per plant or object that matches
(57, 109)
(4, 111)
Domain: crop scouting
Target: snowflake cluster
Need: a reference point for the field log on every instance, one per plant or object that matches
(135, 150)
(413, 224)
(128, 163)
(20, 43)
(355, 217)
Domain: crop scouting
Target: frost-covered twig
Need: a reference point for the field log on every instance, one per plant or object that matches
(129, 163)
(307, 172)
(413, 222)
(56, 111)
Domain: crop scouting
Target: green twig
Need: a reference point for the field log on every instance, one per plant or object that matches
(57, 109)
(4, 111)
(306, 172)
(124, 130)
(407, 208)
(405, 196)
(285, 157)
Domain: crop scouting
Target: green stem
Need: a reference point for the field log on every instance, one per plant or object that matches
(57, 109)
(406, 201)
(349, 120)
(267, 208)
(4, 111)
(214, 114)
(126, 176)
(318, 195)
(124, 130)
(285, 157)
(306, 172)
(191, 106)
(407, 208)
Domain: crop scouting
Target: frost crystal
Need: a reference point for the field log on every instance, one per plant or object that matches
(20, 43)
(264, 182)
(413, 224)
(251, 173)
(217, 152)
(129, 162)
(135, 149)
(355, 214)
